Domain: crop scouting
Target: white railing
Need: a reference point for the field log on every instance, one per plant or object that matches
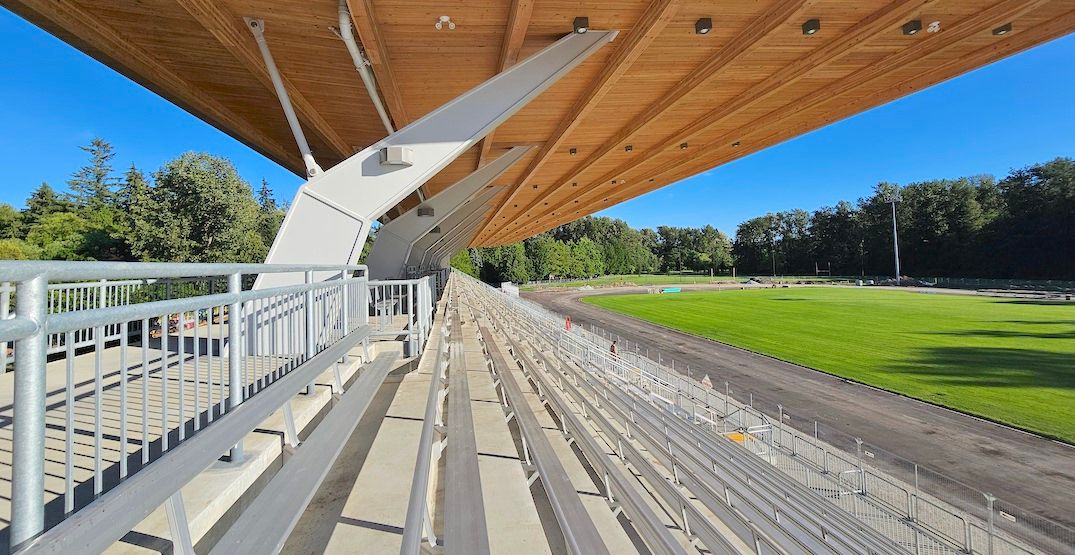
(403, 308)
(179, 369)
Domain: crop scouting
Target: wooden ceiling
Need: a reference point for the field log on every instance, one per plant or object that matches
(684, 102)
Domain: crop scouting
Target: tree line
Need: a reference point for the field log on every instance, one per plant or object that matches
(195, 208)
(1022, 226)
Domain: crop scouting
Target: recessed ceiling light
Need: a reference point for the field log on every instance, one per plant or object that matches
(1003, 29)
(573, 151)
(933, 27)
(535, 186)
(912, 27)
(574, 184)
(683, 146)
(581, 24)
(703, 26)
(628, 148)
(812, 26)
(736, 143)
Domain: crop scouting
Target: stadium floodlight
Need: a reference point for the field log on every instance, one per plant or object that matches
(892, 197)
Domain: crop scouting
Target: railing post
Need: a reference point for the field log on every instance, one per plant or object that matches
(311, 345)
(28, 444)
(5, 309)
(990, 500)
(345, 316)
(235, 357)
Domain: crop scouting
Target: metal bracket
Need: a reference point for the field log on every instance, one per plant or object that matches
(291, 435)
(182, 543)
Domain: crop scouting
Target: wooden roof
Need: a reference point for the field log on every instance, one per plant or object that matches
(684, 102)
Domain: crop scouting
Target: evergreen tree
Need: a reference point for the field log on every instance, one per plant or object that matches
(270, 215)
(92, 186)
(42, 202)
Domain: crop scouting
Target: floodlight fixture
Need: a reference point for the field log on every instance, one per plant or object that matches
(912, 27)
(581, 24)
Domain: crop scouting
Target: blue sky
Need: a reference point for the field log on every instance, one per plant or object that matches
(1011, 114)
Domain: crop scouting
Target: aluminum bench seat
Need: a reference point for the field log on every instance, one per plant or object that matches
(580, 533)
(266, 524)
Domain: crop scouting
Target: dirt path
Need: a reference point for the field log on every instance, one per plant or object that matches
(1029, 471)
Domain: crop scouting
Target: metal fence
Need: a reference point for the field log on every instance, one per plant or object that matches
(403, 308)
(830, 461)
(88, 425)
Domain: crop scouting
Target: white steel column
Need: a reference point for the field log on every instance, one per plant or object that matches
(330, 215)
(454, 224)
(455, 238)
(388, 258)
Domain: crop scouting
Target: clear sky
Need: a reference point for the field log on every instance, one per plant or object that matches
(1011, 114)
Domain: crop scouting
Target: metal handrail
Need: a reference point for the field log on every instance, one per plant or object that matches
(58, 270)
(258, 341)
(417, 509)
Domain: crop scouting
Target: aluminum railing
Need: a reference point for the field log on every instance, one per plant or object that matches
(419, 519)
(820, 466)
(106, 419)
(403, 307)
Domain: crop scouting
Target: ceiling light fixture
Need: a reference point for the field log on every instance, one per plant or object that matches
(735, 144)
(703, 26)
(628, 148)
(811, 27)
(912, 27)
(1003, 29)
(581, 24)
(933, 27)
(683, 146)
(444, 21)
(572, 151)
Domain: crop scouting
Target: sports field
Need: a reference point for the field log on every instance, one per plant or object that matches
(1009, 360)
(658, 279)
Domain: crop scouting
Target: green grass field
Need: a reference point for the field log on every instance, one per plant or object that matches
(657, 279)
(1009, 360)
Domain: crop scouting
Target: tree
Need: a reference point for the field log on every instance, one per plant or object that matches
(270, 215)
(17, 249)
(60, 236)
(10, 222)
(204, 212)
(92, 185)
(588, 257)
(464, 263)
(42, 202)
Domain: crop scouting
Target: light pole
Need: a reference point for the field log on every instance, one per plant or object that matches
(892, 197)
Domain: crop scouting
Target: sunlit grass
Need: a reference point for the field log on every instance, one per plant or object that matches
(1009, 360)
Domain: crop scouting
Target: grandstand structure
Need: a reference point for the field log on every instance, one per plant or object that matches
(313, 404)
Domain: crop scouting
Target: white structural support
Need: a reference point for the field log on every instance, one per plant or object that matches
(257, 27)
(331, 214)
(438, 257)
(388, 257)
(453, 225)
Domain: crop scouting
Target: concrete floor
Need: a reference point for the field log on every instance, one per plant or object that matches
(1026, 470)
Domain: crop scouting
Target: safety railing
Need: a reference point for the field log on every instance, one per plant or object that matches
(818, 463)
(89, 423)
(419, 519)
(403, 308)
